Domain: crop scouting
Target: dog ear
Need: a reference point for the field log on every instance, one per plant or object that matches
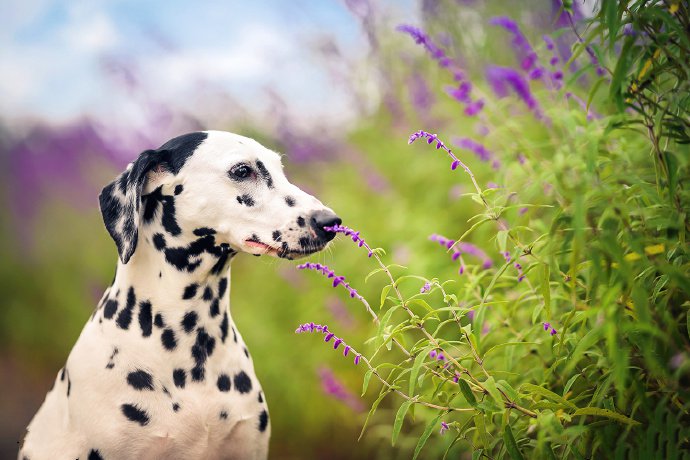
(120, 201)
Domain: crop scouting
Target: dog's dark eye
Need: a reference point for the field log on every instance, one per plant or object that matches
(241, 171)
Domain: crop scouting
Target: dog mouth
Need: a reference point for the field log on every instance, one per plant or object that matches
(284, 251)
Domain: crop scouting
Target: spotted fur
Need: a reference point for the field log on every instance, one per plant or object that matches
(153, 374)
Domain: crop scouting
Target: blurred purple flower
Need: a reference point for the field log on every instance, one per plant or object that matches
(327, 272)
(340, 312)
(523, 50)
(328, 335)
(463, 248)
(504, 79)
(351, 233)
(478, 149)
(425, 288)
(420, 95)
(444, 428)
(590, 113)
(333, 387)
(462, 93)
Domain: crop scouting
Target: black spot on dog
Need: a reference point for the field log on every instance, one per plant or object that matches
(189, 321)
(158, 320)
(246, 352)
(265, 175)
(261, 397)
(246, 200)
(176, 407)
(159, 241)
(190, 291)
(215, 308)
(276, 235)
(300, 221)
(111, 362)
(180, 378)
(150, 203)
(290, 201)
(234, 335)
(222, 286)
(203, 348)
(178, 189)
(110, 309)
(125, 316)
(243, 383)
(166, 392)
(168, 339)
(223, 415)
(133, 413)
(263, 421)
(208, 293)
(304, 242)
(180, 148)
(198, 373)
(204, 231)
(223, 382)
(224, 327)
(140, 380)
(95, 455)
(226, 253)
(69, 385)
(145, 318)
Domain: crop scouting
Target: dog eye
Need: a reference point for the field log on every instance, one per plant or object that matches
(241, 171)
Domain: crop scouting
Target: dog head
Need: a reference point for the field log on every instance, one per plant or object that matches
(220, 183)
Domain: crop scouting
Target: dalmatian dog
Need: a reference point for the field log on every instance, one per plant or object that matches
(160, 370)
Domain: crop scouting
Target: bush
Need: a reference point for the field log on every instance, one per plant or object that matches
(556, 322)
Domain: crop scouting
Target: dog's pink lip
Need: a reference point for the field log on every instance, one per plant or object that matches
(256, 244)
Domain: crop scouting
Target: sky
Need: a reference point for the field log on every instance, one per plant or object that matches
(62, 59)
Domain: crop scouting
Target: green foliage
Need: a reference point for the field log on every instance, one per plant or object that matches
(596, 218)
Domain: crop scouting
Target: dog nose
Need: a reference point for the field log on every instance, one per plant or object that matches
(321, 219)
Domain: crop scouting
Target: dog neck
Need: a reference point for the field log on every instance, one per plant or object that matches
(174, 292)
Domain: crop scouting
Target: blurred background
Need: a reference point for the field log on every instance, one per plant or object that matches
(86, 86)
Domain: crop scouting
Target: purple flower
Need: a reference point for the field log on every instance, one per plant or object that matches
(327, 272)
(547, 326)
(328, 335)
(444, 428)
(432, 354)
(433, 138)
(351, 233)
(503, 79)
(425, 288)
(423, 39)
(474, 108)
(478, 149)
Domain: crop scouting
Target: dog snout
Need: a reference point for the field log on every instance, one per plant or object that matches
(321, 219)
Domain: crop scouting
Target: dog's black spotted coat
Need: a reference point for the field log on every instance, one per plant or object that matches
(158, 338)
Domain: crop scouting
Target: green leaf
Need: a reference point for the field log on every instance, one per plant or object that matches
(606, 413)
(467, 393)
(365, 383)
(490, 385)
(382, 395)
(384, 292)
(541, 391)
(481, 430)
(427, 432)
(372, 273)
(399, 417)
(477, 454)
(511, 445)
(687, 321)
(418, 361)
